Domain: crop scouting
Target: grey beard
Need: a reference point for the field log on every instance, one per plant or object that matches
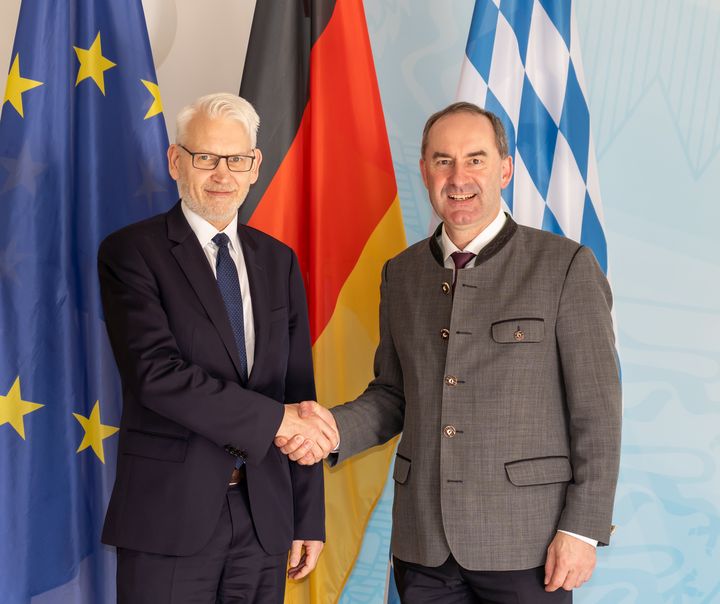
(206, 212)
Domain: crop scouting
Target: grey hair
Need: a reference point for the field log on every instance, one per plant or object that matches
(219, 104)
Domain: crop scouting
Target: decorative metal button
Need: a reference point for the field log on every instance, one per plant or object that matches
(446, 288)
(449, 431)
(519, 335)
(444, 334)
(451, 380)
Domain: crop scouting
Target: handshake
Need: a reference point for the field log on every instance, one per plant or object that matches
(308, 433)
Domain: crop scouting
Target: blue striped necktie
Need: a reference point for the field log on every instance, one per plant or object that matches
(229, 284)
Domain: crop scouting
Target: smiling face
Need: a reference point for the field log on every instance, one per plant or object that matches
(464, 174)
(217, 194)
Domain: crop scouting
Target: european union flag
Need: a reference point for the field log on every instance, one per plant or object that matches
(82, 145)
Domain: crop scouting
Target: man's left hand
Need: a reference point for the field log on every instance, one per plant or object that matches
(302, 563)
(570, 563)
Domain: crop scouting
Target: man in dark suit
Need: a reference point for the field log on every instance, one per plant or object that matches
(497, 363)
(208, 323)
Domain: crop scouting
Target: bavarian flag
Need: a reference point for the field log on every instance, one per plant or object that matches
(327, 188)
(82, 146)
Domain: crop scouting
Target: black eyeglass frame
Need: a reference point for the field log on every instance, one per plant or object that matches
(219, 157)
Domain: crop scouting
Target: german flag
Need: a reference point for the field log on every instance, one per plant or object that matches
(327, 189)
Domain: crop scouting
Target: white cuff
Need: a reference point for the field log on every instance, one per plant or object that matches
(592, 542)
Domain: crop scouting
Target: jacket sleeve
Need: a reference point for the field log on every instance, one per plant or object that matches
(378, 413)
(307, 481)
(154, 371)
(590, 370)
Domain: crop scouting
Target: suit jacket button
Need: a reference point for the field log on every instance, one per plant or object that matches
(444, 334)
(519, 335)
(449, 431)
(446, 288)
(451, 380)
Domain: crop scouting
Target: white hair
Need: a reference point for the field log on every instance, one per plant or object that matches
(219, 104)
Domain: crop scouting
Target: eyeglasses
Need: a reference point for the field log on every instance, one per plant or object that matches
(210, 161)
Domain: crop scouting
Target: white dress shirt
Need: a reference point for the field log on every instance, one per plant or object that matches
(486, 236)
(477, 244)
(204, 232)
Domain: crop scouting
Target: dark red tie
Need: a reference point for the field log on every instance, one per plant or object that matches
(461, 260)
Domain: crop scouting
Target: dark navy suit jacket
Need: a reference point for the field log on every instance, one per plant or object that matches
(185, 415)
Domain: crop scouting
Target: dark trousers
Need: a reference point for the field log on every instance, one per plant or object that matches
(232, 567)
(452, 584)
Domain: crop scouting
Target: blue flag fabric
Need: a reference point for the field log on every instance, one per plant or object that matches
(82, 144)
(523, 63)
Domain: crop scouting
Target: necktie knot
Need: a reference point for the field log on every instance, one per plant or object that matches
(221, 240)
(462, 259)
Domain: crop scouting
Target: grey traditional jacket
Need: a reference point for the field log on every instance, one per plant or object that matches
(507, 395)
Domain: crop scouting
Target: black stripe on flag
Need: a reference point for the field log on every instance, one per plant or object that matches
(276, 78)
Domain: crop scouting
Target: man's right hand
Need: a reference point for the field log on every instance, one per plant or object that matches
(306, 434)
(301, 447)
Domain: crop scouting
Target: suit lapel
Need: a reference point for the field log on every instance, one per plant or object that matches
(259, 295)
(194, 264)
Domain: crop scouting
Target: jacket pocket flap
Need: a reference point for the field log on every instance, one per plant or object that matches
(518, 331)
(541, 470)
(154, 446)
(402, 469)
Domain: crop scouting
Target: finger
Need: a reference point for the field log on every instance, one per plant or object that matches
(280, 441)
(302, 450)
(308, 460)
(328, 431)
(549, 566)
(313, 553)
(295, 570)
(317, 452)
(293, 444)
(306, 409)
(557, 579)
(328, 426)
(585, 576)
(313, 458)
(570, 580)
(295, 553)
(325, 445)
(311, 556)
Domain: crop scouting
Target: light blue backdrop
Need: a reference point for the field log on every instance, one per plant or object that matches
(653, 75)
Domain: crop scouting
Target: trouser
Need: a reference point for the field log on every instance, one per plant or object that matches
(232, 567)
(452, 584)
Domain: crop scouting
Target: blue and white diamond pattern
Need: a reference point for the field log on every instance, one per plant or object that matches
(522, 62)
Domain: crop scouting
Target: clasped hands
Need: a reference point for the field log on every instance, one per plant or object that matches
(308, 433)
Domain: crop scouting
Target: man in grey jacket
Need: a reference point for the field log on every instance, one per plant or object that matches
(497, 363)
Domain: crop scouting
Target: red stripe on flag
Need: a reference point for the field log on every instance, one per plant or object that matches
(336, 181)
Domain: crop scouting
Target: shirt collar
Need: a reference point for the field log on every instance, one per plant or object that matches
(204, 231)
(484, 237)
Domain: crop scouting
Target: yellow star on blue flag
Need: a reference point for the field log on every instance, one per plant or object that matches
(95, 432)
(16, 85)
(13, 408)
(156, 107)
(93, 64)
